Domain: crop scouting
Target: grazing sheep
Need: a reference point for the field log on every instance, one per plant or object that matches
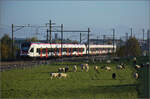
(123, 65)
(103, 67)
(107, 68)
(137, 66)
(134, 60)
(86, 67)
(61, 69)
(114, 75)
(136, 75)
(142, 65)
(75, 68)
(82, 67)
(64, 75)
(96, 68)
(108, 61)
(119, 67)
(147, 64)
(66, 69)
(54, 75)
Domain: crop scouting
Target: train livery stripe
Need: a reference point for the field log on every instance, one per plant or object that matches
(46, 53)
(55, 51)
(67, 51)
(81, 52)
(59, 51)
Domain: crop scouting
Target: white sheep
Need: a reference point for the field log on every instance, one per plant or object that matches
(61, 69)
(86, 67)
(64, 75)
(108, 61)
(119, 67)
(54, 75)
(96, 68)
(108, 68)
(136, 75)
(137, 66)
(75, 68)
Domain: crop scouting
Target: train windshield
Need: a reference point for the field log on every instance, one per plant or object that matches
(25, 46)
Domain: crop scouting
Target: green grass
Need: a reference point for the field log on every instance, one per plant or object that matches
(35, 83)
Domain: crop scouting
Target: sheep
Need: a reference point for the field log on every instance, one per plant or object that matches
(54, 75)
(61, 69)
(107, 68)
(137, 66)
(66, 69)
(108, 61)
(119, 67)
(142, 65)
(147, 64)
(75, 68)
(96, 68)
(86, 67)
(64, 75)
(123, 65)
(136, 75)
(114, 75)
(82, 67)
(134, 60)
(103, 67)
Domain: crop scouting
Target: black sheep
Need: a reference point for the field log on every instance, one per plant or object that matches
(114, 75)
(102, 67)
(66, 68)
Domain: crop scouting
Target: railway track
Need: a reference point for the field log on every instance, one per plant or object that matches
(33, 63)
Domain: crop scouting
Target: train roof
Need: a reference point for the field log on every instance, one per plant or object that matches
(55, 43)
(44, 43)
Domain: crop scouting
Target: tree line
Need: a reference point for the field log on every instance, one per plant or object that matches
(130, 48)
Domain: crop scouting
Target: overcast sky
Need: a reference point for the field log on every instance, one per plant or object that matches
(99, 16)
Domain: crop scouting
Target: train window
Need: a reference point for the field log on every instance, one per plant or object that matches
(83, 49)
(44, 51)
(70, 49)
(64, 49)
(38, 50)
(31, 50)
(79, 49)
(51, 50)
(57, 50)
(48, 50)
(73, 49)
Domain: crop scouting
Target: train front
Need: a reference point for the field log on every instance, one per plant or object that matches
(24, 49)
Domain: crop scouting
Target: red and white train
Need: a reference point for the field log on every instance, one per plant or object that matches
(37, 49)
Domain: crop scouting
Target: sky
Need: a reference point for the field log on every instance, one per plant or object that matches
(100, 16)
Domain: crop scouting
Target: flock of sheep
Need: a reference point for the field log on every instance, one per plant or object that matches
(85, 67)
(62, 71)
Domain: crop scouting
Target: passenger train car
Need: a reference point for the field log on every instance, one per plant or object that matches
(37, 49)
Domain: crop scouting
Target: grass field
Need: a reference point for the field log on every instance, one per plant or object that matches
(35, 83)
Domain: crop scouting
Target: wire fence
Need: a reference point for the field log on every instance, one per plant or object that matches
(42, 34)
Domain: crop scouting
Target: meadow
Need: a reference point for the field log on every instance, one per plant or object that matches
(36, 83)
